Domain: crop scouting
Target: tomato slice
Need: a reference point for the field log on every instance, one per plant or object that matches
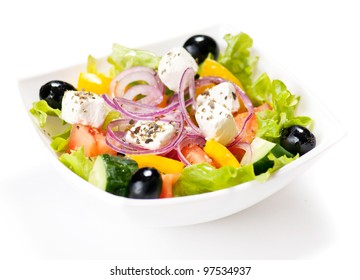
(102, 146)
(251, 127)
(247, 135)
(90, 138)
(194, 154)
(250, 130)
(169, 181)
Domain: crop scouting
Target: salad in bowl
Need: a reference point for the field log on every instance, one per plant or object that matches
(192, 120)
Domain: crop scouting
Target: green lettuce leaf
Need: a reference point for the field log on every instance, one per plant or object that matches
(202, 178)
(238, 59)
(92, 65)
(122, 58)
(59, 142)
(94, 68)
(284, 104)
(278, 163)
(261, 90)
(78, 163)
(41, 110)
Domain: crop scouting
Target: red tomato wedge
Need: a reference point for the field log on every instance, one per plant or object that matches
(251, 127)
(250, 130)
(194, 154)
(168, 180)
(90, 138)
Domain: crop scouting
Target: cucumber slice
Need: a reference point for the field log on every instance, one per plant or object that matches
(112, 173)
(263, 164)
(261, 149)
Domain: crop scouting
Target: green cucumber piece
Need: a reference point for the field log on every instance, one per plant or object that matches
(261, 149)
(263, 164)
(112, 173)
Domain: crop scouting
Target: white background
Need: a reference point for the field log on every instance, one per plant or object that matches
(315, 218)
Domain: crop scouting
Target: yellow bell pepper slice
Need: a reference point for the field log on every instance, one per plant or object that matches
(211, 67)
(96, 83)
(162, 164)
(220, 155)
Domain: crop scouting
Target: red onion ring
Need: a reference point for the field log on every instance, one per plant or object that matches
(109, 102)
(131, 78)
(136, 110)
(153, 90)
(126, 72)
(188, 82)
(152, 94)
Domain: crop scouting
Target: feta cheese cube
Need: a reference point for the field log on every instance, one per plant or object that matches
(224, 94)
(172, 66)
(217, 122)
(83, 107)
(150, 134)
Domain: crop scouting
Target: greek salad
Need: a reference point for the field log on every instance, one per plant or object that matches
(192, 120)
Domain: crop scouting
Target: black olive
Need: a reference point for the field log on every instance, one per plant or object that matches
(145, 183)
(199, 46)
(53, 92)
(297, 139)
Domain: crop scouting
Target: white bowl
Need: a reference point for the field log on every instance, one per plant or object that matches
(204, 207)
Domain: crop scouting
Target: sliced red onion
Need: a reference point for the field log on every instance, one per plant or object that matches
(152, 94)
(187, 82)
(117, 105)
(131, 78)
(126, 72)
(109, 102)
(153, 89)
(136, 110)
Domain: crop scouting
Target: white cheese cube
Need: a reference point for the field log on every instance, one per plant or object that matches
(172, 66)
(83, 107)
(150, 134)
(224, 94)
(217, 122)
